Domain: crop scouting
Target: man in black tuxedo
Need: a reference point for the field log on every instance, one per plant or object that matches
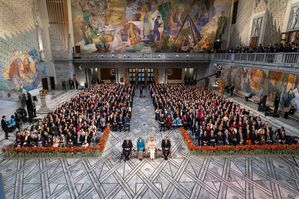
(4, 126)
(127, 148)
(30, 106)
(71, 83)
(166, 147)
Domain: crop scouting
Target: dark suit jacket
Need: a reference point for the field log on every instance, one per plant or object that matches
(166, 144)
(127, 145)
(4, 125)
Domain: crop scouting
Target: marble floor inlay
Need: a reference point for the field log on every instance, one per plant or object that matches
(184, 175)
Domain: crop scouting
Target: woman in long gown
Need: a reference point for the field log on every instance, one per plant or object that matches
(140, 148)
(151, 145)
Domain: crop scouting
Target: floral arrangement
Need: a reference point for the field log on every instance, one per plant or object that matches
(239, 149)
(12, 151)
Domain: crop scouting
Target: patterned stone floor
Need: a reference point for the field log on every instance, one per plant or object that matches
(182, 176)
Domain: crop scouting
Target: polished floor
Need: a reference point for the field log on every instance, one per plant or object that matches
(183, 176)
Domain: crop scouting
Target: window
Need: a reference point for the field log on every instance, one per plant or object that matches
(132, 74)
(150, 75)
(141, 74)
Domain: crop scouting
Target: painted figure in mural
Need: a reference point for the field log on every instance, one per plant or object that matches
(164, 9)
(221, 25)
(133, 34)
(293, 17)
(156, 31)
(21, 70)
(175, 20)
(257, 23)
(146, 25)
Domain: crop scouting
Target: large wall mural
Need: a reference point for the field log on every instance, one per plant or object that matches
(263, 82)
(20, 68)
(149, 25)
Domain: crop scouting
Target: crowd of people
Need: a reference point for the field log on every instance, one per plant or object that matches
(212, 119)
(79, 122)
(276, 48)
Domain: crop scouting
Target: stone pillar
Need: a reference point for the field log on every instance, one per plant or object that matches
(44, 108)
(162, 74)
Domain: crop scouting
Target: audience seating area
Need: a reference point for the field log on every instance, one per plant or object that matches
(213, 120)
(276, 48)
(78, 122)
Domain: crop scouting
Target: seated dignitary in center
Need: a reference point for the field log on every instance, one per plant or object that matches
(127, 148)
(151, 145)
(166, 147)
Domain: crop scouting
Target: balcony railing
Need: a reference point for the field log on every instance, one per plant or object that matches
(143, 57)
(275, 59)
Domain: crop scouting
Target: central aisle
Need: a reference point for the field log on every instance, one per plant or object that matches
(143, 125)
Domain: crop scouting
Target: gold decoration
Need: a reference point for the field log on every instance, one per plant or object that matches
(43, 92)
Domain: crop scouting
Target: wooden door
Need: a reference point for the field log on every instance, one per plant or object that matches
(254, 41)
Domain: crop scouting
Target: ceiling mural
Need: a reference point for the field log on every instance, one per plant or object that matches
(149, 25)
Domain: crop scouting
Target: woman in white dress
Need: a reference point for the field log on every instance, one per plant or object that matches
(151, 145)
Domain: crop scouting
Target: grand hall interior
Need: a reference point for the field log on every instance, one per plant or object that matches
(149, 99)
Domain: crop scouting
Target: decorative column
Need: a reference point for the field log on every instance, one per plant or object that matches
(43, 108)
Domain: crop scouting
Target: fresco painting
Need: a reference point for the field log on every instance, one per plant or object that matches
(20, 65)
(24, 71)
(262, 82)
(149, 25)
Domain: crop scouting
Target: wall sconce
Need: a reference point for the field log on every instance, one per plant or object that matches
(177, 56)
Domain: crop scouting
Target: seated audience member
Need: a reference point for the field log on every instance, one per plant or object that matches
(127, 148)
(168, 122)
(140, 148)
(205, 139)
(162, 122)
(166, 145)
(11, 123)
(151, 145)
(291, 111)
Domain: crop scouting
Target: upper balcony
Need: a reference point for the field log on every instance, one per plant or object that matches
(143, 57)
(287, 62)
